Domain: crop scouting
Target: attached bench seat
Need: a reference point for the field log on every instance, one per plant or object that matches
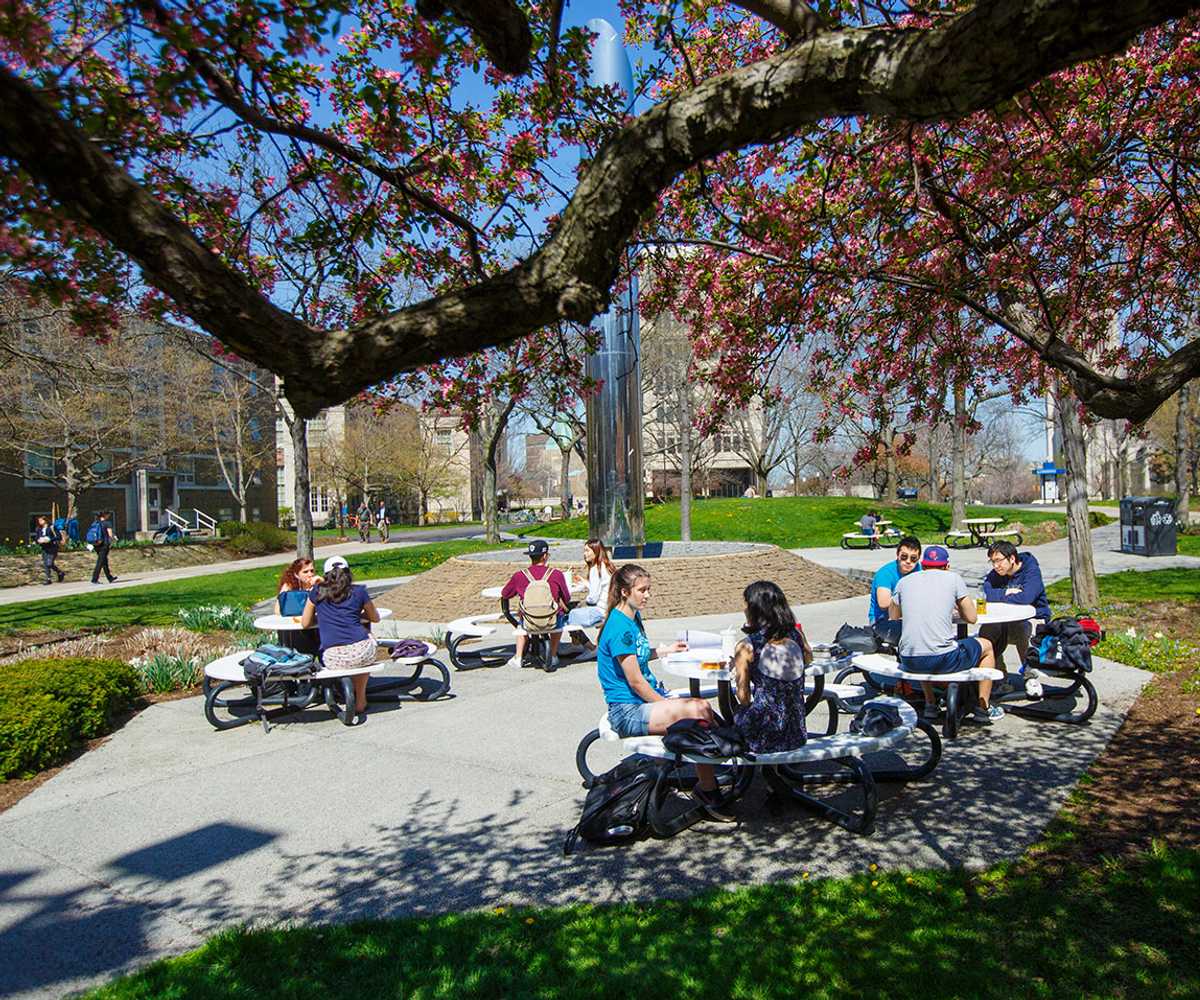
(785, 774)
(473, 625)
(956, 706)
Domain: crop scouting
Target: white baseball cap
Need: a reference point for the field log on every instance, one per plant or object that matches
(333, 561)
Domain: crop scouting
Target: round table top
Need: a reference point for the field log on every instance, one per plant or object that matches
(493, 593)
(983, 520)
(229, 668)
(998, 612)
(288, 623)
(697, 664)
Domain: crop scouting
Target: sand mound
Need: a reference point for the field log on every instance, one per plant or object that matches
(701, 585)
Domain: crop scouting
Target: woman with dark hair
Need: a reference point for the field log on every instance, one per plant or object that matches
(768, 669)
(638, 705)
(299, 577)
(599, 569)
(339, 606)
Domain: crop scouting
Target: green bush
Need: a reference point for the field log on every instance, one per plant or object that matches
(213, 618)
(254, 538)
(47, 705)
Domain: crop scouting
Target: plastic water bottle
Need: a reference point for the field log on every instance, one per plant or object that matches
(729, 641)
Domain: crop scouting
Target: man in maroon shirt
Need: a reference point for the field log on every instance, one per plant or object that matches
(539, 557)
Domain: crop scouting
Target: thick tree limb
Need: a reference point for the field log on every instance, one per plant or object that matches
(795, 19)
(499, 24)
(969, 63)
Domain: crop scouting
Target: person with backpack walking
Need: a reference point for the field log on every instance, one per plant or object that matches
(49, 539)
(383, 522)
(638, 704)
(543, 598)
(100, 537)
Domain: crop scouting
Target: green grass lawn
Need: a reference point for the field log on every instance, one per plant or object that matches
(158, 603)
(397, 529)
(793, 522)
(1116, 930)
(1138, 585)
(1188, 545)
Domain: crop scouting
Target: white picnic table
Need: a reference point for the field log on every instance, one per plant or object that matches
(289, 623)
(494, 593)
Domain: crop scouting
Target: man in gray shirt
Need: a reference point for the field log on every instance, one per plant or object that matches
(927, 639)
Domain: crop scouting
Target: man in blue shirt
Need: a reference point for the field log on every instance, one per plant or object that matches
(908, 559)
(1015, 578)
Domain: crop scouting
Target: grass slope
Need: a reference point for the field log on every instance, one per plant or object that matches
(158, 603)
(794, 522)
(1138, 585)
(1115, 930)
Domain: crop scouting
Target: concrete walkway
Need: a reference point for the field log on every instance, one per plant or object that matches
(1053, 557)
(169, 831)
(37, 592)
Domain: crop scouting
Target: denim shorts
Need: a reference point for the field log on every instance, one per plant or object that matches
(585, 616)
(966, 654)
(630, 718)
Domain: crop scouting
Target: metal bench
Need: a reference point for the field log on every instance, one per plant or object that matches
(959, 540)
(787, 777)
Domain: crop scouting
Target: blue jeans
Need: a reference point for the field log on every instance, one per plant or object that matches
(630, 718)
(585, 616)
(965, 655)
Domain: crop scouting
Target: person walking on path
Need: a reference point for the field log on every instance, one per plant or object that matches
(383, 522)
(49, 538)
(100, 536)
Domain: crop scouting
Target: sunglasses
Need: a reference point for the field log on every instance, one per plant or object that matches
(908, 559)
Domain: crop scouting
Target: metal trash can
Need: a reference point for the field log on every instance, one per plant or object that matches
(1148, 526)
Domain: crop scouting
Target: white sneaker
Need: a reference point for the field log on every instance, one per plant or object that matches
(513, 661)
(1033, 688)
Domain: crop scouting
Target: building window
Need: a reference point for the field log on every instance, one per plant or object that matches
(444, 439)
(185, 469)
(318, 500)
(39, 466)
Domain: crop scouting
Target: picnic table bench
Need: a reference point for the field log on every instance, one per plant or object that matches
(960, 686)
(788, 778)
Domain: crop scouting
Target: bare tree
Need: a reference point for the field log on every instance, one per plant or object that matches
(432, 468)
(562, 419)
(79, 414)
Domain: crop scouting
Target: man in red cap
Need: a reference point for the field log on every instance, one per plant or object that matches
(928, 643)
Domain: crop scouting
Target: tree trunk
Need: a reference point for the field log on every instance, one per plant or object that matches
(760, 482)
(1183, 456)
(891, 476)
(491, 525)
(1085, 592)
(475, 463)
(304, 526)
(958, 453)
(564, 481)
(685, 463)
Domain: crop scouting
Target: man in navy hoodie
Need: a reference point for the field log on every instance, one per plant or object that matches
(1015, 578)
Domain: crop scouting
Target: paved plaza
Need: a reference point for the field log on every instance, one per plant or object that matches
(170, 831)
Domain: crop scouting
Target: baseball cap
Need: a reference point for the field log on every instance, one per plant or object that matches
(537, 548)
(333, 561)
(935, 555)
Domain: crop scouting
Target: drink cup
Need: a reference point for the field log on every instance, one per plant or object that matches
(981, 605)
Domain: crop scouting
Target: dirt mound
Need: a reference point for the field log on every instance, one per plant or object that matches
(702, 585)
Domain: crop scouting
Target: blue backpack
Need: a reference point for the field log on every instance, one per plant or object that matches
(95, 534)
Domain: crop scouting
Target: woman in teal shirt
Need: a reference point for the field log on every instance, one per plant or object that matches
(638, 705)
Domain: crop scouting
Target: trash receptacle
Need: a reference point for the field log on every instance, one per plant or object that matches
(1148, 526)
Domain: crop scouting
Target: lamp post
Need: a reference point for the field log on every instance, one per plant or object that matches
(616, 488)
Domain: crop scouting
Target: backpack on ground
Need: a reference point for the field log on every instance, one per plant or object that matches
(626, 803)
(1061, 643)
(539, 609)
(95, 533)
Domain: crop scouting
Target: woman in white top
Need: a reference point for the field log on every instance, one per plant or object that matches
(599, 569)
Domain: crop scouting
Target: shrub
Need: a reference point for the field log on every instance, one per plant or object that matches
(1155, 651)
(49, 704)
(210, 618)
(254, 538)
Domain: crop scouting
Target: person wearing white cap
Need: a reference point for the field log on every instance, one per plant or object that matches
(341, 608)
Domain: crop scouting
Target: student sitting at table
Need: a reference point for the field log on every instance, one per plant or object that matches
(638, 705)
(338, 605)
(928, 635)
(560, 596)
(768, 670)
(1015, 578)
(297, 580)
(866, 525)
(598, 568)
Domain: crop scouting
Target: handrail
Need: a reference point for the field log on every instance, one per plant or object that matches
(177, 520)
(205, 522)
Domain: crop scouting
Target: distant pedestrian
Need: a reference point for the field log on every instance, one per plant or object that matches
(100, 536)
(49, 538)
(383, 522)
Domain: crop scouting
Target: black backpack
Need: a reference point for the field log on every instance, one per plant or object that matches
(692, 736)
(626, 803)
(856, 639)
